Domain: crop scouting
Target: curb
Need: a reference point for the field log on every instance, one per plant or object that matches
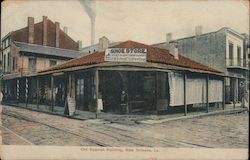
(231, 111)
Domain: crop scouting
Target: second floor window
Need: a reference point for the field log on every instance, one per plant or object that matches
(14, 63)
(32, 64)
(239, 55)
(52, 63)
(4, 62)
(8, 59)
(231, 51)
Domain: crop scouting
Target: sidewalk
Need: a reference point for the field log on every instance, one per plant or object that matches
(134, 118)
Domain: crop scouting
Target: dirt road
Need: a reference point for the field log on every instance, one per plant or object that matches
(21, 126)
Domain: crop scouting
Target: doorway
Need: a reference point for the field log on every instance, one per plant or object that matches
(111, 87)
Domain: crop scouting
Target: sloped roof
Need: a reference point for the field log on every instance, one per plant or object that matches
(45, 50)
(154, 55)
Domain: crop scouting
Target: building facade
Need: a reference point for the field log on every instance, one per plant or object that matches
(224, 50)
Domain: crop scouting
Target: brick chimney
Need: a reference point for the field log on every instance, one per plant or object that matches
(168, 37)
(103, 44)
(65, 29)
(30, 29)
(57, 33)
(173, 49)
(45, 28)
(79, 45)
(198, 30)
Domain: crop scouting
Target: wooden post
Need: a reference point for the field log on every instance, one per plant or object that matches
(68, 94)
(126, 90)
(185, 93)
(96, 90)
(37, 92)
(26, 91)
(17, 90)
(52, 92)
(244, 93)
(207, 86)
(234, 91)
(224, 93)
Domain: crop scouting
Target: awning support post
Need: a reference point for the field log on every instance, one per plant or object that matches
(37, 92)
(185, 93)
(26, 91)
(52, 92)
(96, 90)
(224, 94)
(207, 86)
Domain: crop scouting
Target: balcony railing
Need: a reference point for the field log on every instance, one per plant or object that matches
(237, 62)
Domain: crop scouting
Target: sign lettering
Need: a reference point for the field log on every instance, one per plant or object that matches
(126, 55)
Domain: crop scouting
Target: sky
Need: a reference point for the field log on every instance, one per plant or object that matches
(146, 21)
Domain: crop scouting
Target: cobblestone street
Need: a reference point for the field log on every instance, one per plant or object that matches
(25, 127)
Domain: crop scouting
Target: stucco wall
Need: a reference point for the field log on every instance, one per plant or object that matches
(41, 63)
(237, 42)
(208, 49)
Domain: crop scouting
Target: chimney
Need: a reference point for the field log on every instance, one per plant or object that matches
(45, 28)
(79, 44)
(103, 44)
(65, 29)
(57, 33)
(198, 30)
(30, 29)
(168, 37)
(173, 49)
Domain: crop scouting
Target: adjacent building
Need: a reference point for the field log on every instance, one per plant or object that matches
(225, 50)
(36, 47)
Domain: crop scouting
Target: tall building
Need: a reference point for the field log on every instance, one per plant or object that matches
(224, 50)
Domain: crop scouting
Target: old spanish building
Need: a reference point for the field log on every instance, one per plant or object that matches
(224, 50)
(125, 78)
(33, 48)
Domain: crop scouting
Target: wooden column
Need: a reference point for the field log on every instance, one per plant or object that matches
(126, 91)
(37, 92)
(52, 92)
(96, 90)
(185, 93)
(224, 93)
(234, 91)
(244, 93)
(26, 91)
(17, 89)
(207, 98)
(70, 105)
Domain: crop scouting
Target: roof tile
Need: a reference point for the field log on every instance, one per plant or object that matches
(154, 55)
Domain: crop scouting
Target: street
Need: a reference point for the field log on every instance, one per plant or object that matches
(25, 127)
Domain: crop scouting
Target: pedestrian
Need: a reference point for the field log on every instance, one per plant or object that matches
(124, 108)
